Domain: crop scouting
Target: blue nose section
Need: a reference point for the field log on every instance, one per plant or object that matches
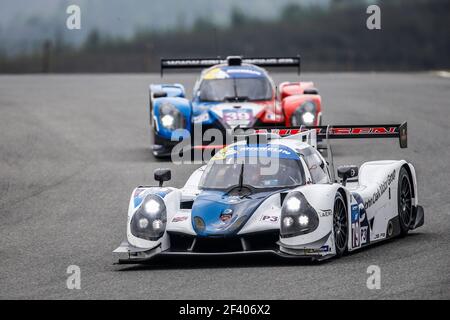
(217, 214)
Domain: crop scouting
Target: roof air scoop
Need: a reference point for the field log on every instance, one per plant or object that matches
(234, 60)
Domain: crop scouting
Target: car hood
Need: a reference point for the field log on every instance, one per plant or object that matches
(223, 214)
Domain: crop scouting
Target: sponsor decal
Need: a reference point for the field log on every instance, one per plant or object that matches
(364, 235)
(272, 61)
(379, 236)
(356, 232)
(225, 221)
(216, 73)
(334, 131)
(223, 153)
(269, 218)
(270, 149)
(362, 212)
(262, 150)
(191, 62)
(238, 116)
(226, 215)
(363, 220)
(201, 118)
(380, 191)
(255, 151)
(248, 71)
(324, 213)
(179, 218)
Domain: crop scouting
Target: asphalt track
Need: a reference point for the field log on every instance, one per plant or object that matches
(72, 147)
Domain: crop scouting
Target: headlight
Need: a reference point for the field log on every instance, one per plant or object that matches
(308, 118)
(288, 221)
(303, 220)
(149, 221)
(170, 117)
(297, 216)
(143, 223)
(157, 224)
(305, 114)
(199, 224)
(293, 204)
(152, 206)
(167, 121)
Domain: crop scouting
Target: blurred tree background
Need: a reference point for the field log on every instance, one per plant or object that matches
(415, 35)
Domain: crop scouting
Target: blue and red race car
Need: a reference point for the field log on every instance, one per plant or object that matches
(230, 93)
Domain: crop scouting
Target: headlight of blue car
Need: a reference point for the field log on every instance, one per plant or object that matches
(297, 216)
(149, 221)
(170, 117)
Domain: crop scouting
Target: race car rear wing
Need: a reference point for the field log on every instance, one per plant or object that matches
(398, 131)
(194, 63)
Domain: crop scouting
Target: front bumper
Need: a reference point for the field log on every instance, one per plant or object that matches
(132, 255)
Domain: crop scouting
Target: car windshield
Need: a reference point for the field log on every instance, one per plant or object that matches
(250, 89)
(264, 174)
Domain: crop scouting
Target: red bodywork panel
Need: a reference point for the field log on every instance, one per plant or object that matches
(272, 113)
(291, 97)
(294, 88)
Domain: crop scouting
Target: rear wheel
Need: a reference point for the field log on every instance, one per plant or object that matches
(340, 225)
(405, 210)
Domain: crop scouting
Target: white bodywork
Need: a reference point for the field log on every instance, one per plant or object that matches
(377, 186)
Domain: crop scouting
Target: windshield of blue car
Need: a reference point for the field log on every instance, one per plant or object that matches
(280, 173)
(251, 89)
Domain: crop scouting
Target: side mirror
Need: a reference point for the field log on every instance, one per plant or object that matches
(345, 172)
(311, 91)
(159, 94)
(162, 175)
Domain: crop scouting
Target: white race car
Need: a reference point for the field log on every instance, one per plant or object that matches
(276, 196)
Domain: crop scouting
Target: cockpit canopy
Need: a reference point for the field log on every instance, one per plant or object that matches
(258, 166)
(234, 83)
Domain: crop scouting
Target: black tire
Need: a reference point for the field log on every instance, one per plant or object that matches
(150, 111)
(151, 123)
(152, 143)
(340, 225)
(404, 198)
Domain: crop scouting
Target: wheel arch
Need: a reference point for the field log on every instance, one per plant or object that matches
(347, 198)
(412, 175)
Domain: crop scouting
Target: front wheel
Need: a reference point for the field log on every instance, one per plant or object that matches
(340, 225)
